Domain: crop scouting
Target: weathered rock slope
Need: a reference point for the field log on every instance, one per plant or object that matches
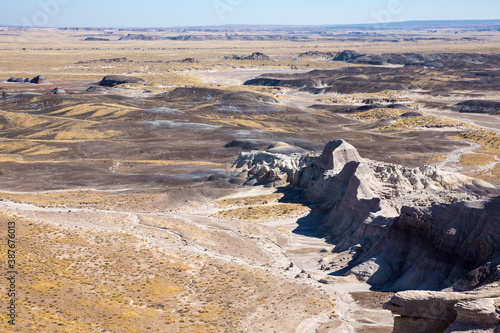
(420, 228)
(412, 224)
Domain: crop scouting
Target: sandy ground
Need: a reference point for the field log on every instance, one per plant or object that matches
(259, 245)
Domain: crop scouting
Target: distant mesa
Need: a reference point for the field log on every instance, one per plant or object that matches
(107, 61)
(317, 54)
(39, 80)
(347, 55)
(254, 56)
(243, 37)
(97, 39)
(140, 37)
(114, 80)
(190, 61)
(58, 91)
(438, 60)
(257, 56)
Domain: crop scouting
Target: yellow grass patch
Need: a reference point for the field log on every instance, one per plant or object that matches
(253, 200)
(86, 134)
(423, 122)
(477, 159)
(265, 213)
(428, 157)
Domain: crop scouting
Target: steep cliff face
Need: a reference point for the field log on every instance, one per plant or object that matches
(434, 247)
(420, 228)
(363, 197)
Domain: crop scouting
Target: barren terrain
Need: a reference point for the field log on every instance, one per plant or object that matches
(129, 215)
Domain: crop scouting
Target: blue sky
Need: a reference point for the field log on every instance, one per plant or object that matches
(166, 13)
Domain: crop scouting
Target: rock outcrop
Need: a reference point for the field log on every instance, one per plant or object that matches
(434, 247)
(16, 80)
(39, 80)
(97, 89)
(412, 224)
(254, 56)
(58, 91)
(317, 54)
(114, 80)
(347, 55)
(97, 39)
(264, 168)
(190, 61)
(446, 312)
(140, 37)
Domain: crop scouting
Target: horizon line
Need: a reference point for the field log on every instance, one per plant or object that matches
(465, 21)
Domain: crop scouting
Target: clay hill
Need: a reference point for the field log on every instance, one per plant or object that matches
(114, 80)
(317, 54)
(406, 228)
(140, 37)
(450, 60)
(372, 79)
(254, 56)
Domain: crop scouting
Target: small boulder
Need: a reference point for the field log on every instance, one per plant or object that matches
(347, 55)
(15, 80)
(58, 91)
(257, 56)
(190, 61)
(97, 89)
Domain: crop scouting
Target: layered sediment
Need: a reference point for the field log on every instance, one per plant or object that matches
(411, 228)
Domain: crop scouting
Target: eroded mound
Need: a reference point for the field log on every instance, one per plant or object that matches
(480, 106)
(437, 80)
(115, 80)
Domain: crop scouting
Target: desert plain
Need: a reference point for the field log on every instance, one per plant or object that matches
(204, 197)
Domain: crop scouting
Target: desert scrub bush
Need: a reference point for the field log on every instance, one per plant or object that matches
(265, 212)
